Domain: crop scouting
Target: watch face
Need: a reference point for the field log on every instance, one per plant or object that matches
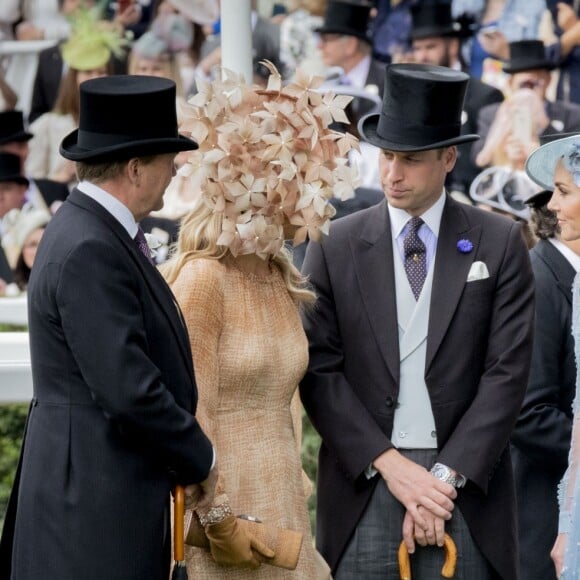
(441, 472)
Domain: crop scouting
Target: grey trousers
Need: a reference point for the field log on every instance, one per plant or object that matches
(372, 552)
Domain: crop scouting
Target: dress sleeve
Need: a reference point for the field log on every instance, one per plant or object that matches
(199, 293)
(567, 497)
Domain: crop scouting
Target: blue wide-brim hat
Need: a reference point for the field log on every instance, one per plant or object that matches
(124, 116)
(541, 164)
(422, 107)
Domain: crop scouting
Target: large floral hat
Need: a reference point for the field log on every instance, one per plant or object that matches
(93, 39)
(267, 158)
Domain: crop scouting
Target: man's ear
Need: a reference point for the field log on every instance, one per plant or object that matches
(450, 157)
(134, 171)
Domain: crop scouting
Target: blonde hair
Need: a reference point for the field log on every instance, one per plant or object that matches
(198, 235)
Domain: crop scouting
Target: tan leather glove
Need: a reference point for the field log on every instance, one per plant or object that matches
(232, 545)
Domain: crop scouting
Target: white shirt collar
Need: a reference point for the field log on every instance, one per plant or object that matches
(569, 254)
(117, 209)
(358, 74)
(432, 217)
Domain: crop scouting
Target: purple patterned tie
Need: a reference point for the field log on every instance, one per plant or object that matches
(415, 257)
(142, 245)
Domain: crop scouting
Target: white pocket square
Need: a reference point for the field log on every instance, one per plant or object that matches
(478, 271)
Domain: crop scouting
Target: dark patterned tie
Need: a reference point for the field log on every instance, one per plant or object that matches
(415, 257)
(143, 246)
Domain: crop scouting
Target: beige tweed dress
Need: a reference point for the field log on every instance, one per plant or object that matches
(249, 354)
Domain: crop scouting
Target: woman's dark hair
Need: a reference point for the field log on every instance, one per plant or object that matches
(544, 222)
(21, 273)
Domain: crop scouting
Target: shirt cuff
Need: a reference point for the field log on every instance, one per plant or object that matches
(370, 471)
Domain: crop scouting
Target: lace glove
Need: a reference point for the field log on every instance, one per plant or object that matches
(232, 545)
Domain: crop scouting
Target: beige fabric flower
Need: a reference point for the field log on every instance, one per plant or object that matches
(267, 158)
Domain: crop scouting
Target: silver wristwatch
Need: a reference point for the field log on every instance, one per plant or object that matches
(447, 475)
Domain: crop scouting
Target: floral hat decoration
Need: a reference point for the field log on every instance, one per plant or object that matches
(92, 40)
(267, 158)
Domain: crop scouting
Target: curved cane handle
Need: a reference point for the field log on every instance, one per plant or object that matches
(448, 570)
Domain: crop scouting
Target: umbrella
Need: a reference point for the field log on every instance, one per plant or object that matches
(179, 569)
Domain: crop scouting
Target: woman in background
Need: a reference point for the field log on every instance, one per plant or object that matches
(23, 231)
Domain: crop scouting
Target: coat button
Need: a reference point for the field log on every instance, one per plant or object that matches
(389, 401)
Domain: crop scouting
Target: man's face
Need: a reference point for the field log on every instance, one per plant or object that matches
(333, 48)
(19, 148)
(537, 80)
(434, 50)
(414, 181)
(11, 196)
(155, 177)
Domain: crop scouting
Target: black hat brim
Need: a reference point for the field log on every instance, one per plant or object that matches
(367, 128)
(17, 178)
(343, 30)
(530, 65)
(69, 148)
(16, 137)
(434, 32)
(540, 199)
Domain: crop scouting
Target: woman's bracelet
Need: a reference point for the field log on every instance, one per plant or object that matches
(216, 514)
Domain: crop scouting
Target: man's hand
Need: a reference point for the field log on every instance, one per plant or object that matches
(433, 535)
(200, 495)
(414, 486)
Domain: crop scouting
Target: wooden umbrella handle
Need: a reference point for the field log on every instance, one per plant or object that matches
(178, 515)
(448, 570)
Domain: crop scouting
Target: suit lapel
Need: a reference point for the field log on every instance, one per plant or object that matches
(159, 288)
(450, 274)
(559, 265)
(373, 262)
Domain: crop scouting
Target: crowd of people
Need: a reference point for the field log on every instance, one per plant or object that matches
(382, 227)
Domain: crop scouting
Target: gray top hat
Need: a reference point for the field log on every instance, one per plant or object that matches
(422, 107)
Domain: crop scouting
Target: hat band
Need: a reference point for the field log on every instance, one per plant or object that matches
(401, 131)
(90, 140)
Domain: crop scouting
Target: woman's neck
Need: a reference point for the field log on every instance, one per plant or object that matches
(252, 264)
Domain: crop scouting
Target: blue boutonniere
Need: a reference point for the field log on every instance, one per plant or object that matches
(464, 246)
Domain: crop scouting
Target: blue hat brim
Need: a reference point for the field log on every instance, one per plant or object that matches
(541, 164)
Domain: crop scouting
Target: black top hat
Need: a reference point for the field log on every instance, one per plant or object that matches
(12, 127)
(422, 107)
(430, 20)
(10, 169)
(124, 116)
(347, 18)
(527, 55)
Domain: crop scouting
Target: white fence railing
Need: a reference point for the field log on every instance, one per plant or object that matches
(14, 310)
(15, 372)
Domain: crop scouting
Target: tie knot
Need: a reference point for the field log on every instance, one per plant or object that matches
(415, 223)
